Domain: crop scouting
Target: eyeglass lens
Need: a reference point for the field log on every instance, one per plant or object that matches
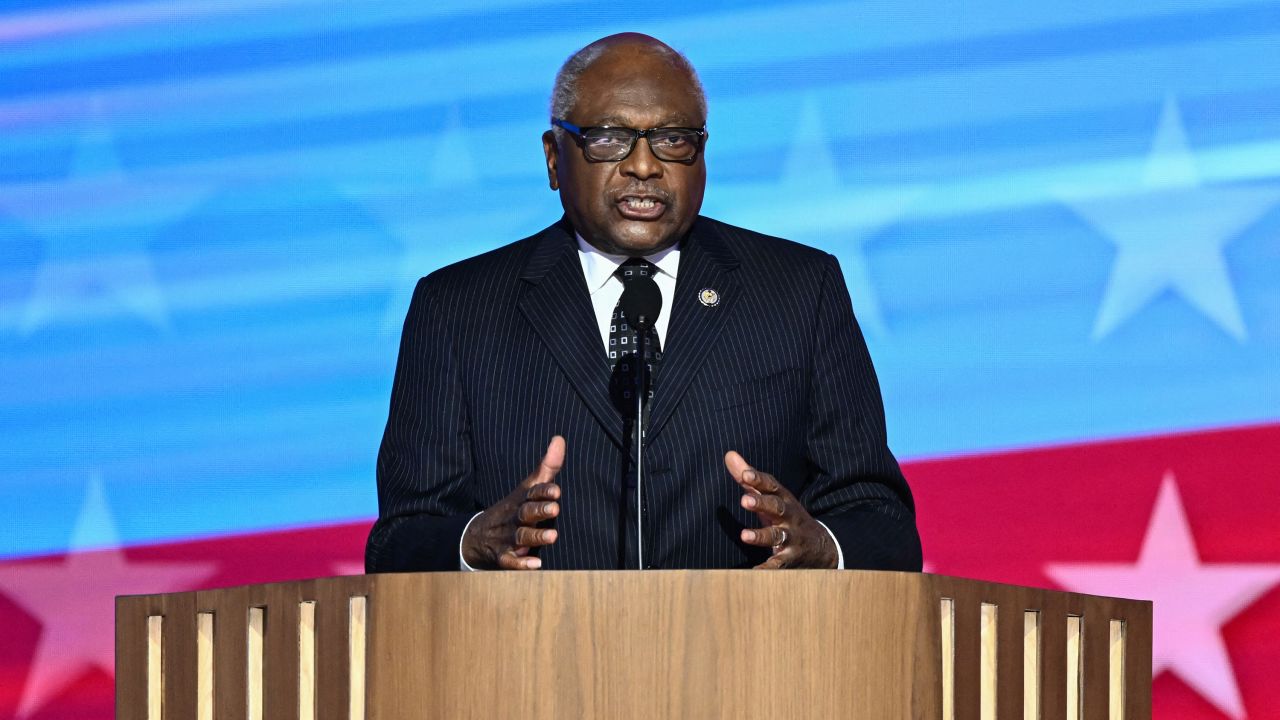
(675, 144)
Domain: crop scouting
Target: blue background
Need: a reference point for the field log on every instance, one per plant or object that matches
(1059, 222)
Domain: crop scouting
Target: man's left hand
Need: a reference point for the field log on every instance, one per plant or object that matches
(798, 541)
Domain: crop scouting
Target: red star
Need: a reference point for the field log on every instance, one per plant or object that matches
(74, 601)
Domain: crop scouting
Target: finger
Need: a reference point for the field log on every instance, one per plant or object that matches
(532, 513)
(777, 561)
(551, 463)
(768, 505)
(761, 481)
(772, 536)
(535, 537)
(511, 561)
(544, 491)
(735, 464)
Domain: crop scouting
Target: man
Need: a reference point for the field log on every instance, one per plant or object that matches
(764, 442)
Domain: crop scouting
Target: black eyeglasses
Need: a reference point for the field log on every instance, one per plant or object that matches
(611, 144)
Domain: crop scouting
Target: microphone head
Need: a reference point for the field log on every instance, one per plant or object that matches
(641, 302)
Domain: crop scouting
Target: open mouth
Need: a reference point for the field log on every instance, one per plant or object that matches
(641, 207)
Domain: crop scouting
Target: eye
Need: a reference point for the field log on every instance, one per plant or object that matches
(672, 140)
(606, 138)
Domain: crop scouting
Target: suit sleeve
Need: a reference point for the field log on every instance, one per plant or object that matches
(425, 467)
(855, 485)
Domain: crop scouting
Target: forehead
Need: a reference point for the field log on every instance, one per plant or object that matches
(636, 88)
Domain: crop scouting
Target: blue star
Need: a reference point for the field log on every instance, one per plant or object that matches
(1170, 230)
(95, 226)
(810, 203)
(441, 218)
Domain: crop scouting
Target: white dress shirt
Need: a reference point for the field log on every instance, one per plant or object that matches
(606, 289)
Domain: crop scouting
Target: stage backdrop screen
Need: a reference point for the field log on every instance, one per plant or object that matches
(1059, 224)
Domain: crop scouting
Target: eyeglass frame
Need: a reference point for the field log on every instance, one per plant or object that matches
(579, 137)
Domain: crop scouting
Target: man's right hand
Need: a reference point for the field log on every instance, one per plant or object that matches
(502, 536)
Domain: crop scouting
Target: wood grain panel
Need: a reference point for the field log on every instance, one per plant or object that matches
(1053, 657)
(131, 657)
(1009, 658)
(1138, 660)
(967, 653)
(280, 647)
(632, 645)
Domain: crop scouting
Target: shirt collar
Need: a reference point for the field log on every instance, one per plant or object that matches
(598, 266)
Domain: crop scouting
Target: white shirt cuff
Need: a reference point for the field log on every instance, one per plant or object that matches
(462, 563)
(839, 552)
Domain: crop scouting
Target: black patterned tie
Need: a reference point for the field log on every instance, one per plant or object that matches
(622, 338)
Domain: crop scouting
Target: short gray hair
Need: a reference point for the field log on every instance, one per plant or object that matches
(564, 94)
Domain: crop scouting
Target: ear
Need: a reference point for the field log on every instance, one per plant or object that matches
(552, 153)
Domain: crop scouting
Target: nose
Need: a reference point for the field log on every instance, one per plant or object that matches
(641, 164)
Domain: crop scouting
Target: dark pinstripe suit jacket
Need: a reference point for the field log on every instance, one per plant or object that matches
(502, 351)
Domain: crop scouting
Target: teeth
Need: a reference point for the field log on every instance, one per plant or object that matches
(639, 204)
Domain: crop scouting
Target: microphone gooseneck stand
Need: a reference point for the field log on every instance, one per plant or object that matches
(642, 373)
(641, 304)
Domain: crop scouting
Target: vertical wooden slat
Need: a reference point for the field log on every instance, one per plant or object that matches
(1009, 656)
(968, 655)
(230, 652)
(204, 665)
(987, 663)
(331, 650)
(307, 660)
(279, 646)
(1031, 653)
(947, 624)
(255, 662)
(131, 658)
(1096, 652)
(1115, 670)
(1137, 661)
(155, 667)
(179, 656)
(357, 649)
(1075, 654)
(1053, 659)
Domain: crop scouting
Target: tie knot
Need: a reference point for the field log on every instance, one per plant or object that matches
(634, 269)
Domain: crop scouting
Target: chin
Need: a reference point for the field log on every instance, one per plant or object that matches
(642, 244)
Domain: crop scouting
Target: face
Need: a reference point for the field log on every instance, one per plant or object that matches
(640, 204)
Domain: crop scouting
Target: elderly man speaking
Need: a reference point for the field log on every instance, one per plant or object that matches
(528, 389)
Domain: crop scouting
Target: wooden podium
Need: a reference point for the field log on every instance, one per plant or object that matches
(654, 644)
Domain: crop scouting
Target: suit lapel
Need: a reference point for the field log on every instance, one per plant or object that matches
(706, 263)
(556, 303)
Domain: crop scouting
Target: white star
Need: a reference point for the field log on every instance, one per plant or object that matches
(1170, 232)
(1192, 600)
(96, 225)
(448, 217)
(73, 599)
(810, 204)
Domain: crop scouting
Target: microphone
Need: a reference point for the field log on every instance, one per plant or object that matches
(640, 304)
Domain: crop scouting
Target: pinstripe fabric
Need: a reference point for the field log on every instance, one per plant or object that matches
(500, 352)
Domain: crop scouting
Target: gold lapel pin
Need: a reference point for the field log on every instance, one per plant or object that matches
(709, 297)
